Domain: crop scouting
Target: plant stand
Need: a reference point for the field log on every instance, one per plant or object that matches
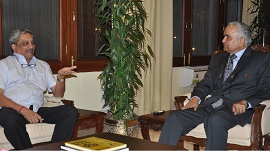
(119, 127)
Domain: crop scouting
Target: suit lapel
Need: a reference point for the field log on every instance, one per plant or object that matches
(220, 69)
(222, 64)
(241, 63)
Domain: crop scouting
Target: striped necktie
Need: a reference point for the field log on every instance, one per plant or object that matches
(229, 67)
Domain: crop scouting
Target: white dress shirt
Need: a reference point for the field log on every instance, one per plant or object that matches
(25, 83)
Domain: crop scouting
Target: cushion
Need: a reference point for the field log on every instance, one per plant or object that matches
(35, 131)
(236, 135)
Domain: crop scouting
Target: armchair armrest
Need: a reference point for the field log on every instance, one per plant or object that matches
(256, 124)
(68, 102)
(179, 101)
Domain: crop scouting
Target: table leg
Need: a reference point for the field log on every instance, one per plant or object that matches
(75, 133)
(99, 125)
(145, 130)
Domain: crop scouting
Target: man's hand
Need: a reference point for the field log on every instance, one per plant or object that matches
(67, 71)
(239, 108)
(193, 103)
(31, 116)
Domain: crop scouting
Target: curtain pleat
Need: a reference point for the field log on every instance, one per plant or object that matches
(156, 93)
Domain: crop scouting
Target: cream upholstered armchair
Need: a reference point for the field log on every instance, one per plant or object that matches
(249, 137)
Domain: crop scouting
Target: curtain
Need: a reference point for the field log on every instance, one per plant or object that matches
(247, 18)
(41, 17)
(234, 12)
(204, 23)
(156, 92)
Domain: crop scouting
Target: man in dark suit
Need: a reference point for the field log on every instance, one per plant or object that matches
(237, 79)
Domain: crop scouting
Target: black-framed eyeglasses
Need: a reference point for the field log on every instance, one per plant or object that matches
(25, 65)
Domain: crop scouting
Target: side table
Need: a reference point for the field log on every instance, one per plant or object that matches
(152, 121)
(89, 119)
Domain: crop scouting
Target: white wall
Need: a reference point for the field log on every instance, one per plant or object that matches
(182, 79)
(84, 90)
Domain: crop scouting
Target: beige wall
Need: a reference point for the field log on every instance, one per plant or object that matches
(85, 90)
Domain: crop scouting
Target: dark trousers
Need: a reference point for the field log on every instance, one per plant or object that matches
(216, 125)
(64, 117)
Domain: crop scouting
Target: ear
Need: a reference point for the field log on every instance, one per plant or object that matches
(13, 47)
(242, 41)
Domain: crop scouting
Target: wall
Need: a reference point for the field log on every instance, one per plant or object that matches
(85, 90)
(183, 79)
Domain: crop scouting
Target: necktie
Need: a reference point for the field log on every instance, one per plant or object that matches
(228, 71)
(229, 67)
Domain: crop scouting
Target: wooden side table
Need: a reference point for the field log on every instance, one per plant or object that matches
(89, 119)
(154, 122)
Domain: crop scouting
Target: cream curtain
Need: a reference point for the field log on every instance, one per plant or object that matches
(247, 18)
(156, 93)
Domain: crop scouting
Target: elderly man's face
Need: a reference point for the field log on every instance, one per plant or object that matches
(25, 46)
(232, 42)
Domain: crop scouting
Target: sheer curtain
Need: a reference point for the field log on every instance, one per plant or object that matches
(156, 93)
(204, 27)
(235, 9)
(247, 17)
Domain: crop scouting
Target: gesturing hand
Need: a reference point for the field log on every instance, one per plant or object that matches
(67, 71)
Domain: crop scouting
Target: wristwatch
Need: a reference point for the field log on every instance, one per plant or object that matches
(244, 100)
(60, 80)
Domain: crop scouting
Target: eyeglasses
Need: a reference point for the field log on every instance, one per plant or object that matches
(52, 101)
(25, 65)
(28, 65)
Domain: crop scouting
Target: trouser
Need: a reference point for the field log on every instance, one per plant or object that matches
(64, 117)
(216, 125)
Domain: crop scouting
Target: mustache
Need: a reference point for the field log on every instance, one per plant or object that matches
(30, 50)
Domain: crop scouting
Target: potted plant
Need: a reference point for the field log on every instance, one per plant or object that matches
(128, 52)
(261, 22)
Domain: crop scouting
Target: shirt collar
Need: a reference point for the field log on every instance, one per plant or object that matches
(22, 59)
(240, 53)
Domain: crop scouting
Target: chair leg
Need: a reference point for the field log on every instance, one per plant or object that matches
(267, 142)
(196, 147)
(181, 144)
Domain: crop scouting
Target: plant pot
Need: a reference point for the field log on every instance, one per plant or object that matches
(119, 127)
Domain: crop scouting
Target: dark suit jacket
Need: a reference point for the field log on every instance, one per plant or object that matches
(250, 80)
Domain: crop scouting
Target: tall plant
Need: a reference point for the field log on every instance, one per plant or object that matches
(261, 22)
(128, 52)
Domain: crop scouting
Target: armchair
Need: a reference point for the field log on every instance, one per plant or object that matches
(249, 137)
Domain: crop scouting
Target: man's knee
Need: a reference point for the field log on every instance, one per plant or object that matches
(13, 119)
(71, 111)
(214, 121)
